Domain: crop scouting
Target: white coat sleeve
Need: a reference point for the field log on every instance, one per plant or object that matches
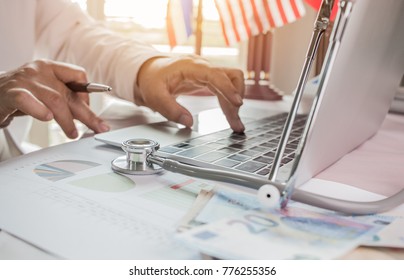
(65, 33)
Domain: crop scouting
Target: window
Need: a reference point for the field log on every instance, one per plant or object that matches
(146, 20)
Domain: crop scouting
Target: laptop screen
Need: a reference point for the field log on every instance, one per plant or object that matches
(360, 76)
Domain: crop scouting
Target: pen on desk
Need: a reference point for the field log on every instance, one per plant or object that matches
(88, 87)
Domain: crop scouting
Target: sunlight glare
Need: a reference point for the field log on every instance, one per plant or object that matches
(149, 14)
(152, 13)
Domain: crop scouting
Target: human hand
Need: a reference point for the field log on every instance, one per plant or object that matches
(39, 89)
(162, 79)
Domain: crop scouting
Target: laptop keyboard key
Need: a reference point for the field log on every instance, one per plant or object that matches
(250, 153)
(263, 172)
(193, 152)
(227, 162)
(251, 166)
(169, 150)
(238, 157)
(211, 157)
(263, 159)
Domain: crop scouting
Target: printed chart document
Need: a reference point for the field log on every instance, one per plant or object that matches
(75, 207)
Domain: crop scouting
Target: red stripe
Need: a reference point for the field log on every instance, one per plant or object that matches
(295, 9)
(233, 20)
(282, 12)
(269, 15)
(245, 20)
(226, 38)
(178, 186)
(170, 28)
(256, 16)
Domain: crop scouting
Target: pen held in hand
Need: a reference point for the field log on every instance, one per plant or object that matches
(88, 87)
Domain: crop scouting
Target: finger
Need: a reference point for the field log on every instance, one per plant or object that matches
(68, 72)
(56, 96)
(8, 119)
(65, 73)
(82, 112)
(24, 101)
(78, 109)
(231, 112)
(167, 106)
(5, 122)
(219, 83)
(237, 79)
(232, 116)
(72, 95)
(57, 102)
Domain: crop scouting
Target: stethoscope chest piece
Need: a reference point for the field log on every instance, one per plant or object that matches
(135, 161)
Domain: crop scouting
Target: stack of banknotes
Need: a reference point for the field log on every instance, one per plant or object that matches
(228, 224)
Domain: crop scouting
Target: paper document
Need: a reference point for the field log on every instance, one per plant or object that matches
(77, 208)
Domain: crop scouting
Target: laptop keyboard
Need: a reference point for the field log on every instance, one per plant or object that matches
(252, 151)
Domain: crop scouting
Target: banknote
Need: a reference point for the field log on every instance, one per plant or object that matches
(292, 233)
(224, 203)
(390, 236)
(213, 204)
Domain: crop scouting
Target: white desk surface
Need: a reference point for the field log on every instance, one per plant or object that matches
(376, 163)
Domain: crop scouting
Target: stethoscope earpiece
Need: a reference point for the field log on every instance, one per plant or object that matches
(268, 196)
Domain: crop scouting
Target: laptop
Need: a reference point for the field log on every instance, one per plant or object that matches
(361, 73)
(397, 107)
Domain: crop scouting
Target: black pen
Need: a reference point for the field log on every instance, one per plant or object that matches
(88, 87)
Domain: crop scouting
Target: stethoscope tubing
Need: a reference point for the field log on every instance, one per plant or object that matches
(349, 207)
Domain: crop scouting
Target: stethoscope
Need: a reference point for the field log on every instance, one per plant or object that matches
(141, 157)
